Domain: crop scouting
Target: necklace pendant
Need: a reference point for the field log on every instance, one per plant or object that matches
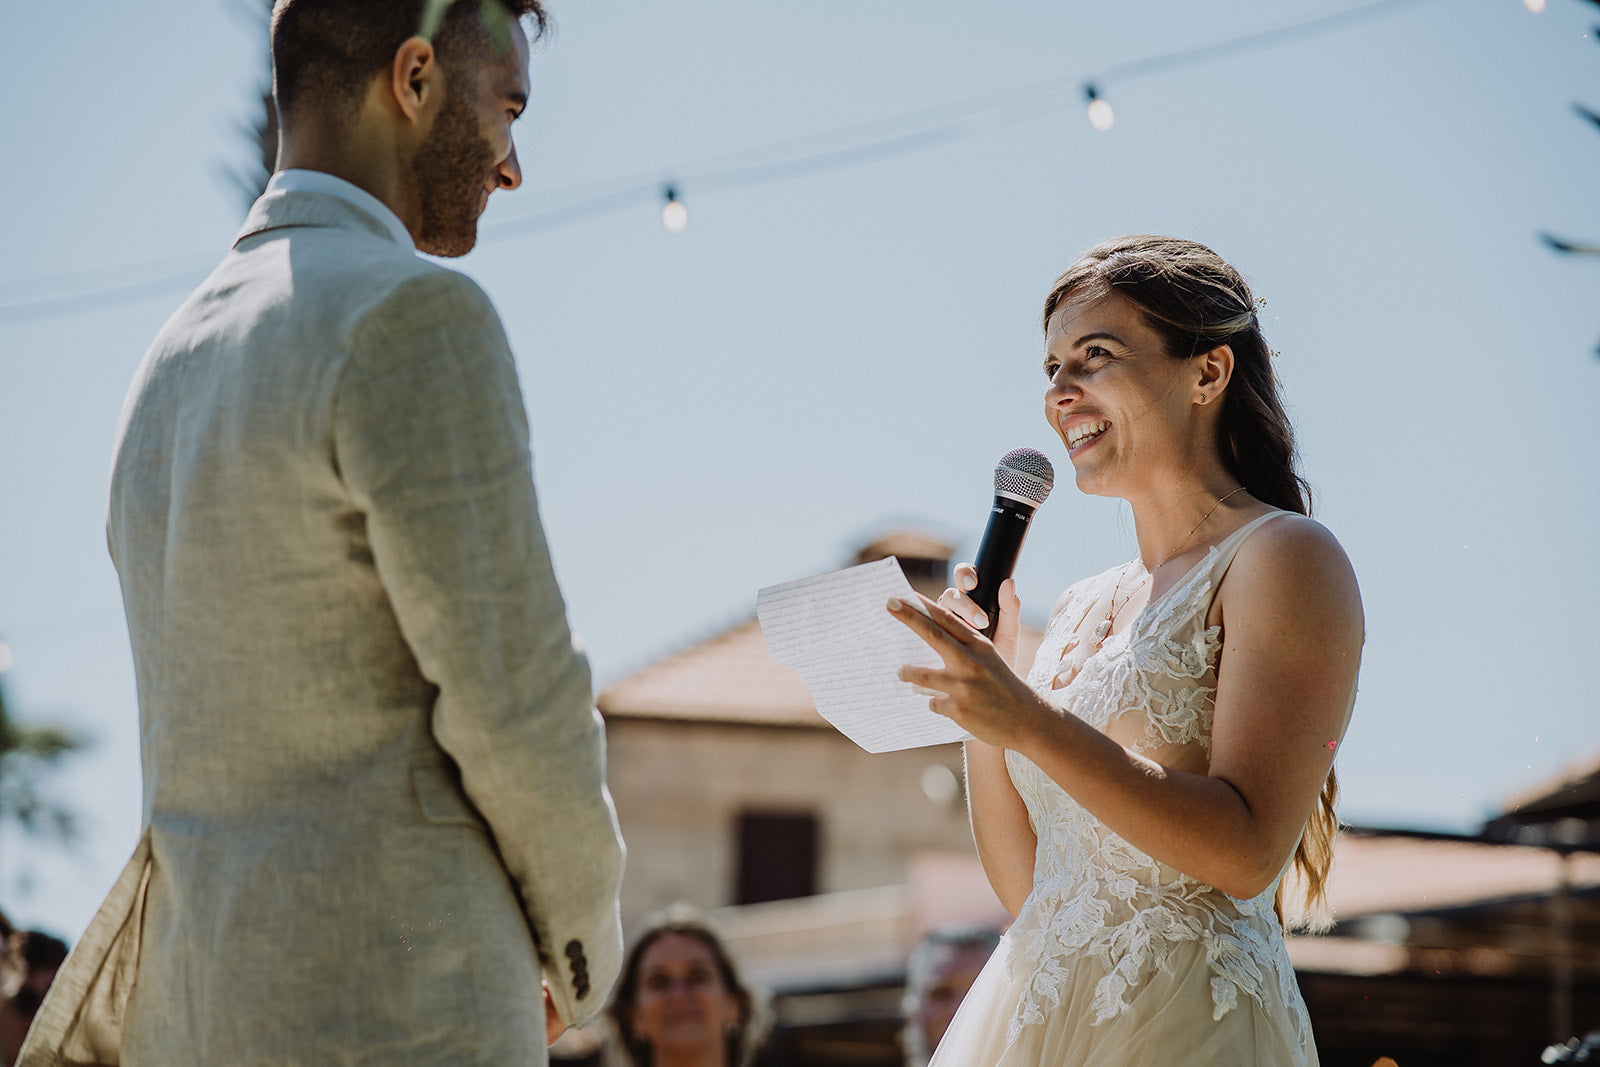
(1101, 630)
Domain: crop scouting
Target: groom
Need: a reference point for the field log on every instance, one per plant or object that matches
(375, 813)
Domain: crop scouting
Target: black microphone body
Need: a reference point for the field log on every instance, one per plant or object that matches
(1022, 480)
(997, 554)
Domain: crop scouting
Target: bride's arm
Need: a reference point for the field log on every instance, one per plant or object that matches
(1001, 829)
(1000, 826)
(1292, 643)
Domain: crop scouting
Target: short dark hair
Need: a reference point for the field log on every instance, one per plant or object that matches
(330, 49)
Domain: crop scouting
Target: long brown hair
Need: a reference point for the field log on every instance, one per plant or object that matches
(1196, 302)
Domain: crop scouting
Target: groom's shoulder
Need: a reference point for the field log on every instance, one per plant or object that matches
(420, 292)
(355, 263)
(360, 281)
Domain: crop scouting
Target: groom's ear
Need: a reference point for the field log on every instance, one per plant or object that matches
(415, 80)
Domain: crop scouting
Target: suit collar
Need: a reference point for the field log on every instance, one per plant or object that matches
(287, 208)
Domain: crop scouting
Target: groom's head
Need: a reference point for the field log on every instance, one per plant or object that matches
(424, 98)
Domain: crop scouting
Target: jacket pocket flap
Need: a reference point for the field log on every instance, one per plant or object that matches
(440, 797)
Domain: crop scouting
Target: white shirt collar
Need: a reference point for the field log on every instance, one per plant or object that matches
(316, 181)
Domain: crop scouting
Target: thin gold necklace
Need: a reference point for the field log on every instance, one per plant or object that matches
(1065, 672)
(1185, 542)
(1103, 628)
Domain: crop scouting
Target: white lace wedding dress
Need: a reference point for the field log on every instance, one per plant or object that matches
(1116, 959)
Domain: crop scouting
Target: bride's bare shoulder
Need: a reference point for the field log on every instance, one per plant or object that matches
(1294, 564)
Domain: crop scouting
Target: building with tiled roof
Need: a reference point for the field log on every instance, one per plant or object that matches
(732, 790)
(727, 678)
(1453, 949)
(1560, 811)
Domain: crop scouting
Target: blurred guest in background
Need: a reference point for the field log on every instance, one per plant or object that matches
(942, 968)
(30, 962)
(681, 1001)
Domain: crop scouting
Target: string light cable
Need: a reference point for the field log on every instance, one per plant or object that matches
(779, 161)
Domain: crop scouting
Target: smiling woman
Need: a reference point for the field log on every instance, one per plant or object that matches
(681, 1001)
(1138, 798)
(1180, 300)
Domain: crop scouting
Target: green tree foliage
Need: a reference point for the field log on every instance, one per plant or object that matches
(29, 754)
(260, 133)
(1562, 244)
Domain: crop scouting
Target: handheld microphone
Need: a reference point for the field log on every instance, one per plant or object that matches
(1022, 480)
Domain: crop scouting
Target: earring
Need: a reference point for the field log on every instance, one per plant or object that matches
(1204, 398)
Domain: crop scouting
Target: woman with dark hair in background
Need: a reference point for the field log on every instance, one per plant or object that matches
(681, 1001)
(29, 960)
(1139, 797)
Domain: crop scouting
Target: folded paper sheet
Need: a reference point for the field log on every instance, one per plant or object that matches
(835, 629)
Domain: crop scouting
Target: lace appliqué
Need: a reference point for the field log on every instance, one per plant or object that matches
(1145, 669)
(1097, 897)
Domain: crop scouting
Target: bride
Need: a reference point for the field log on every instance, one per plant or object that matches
(1138, 799)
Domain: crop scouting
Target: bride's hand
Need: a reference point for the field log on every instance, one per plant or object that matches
(976, 688)
(957, 602)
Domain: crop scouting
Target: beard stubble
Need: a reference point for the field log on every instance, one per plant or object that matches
(451, 170)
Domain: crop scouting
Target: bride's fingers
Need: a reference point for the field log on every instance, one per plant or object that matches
(1010, 610)
(925, 680)
(1009, 601)
(935, 632)
(960, 605)
(952, 624)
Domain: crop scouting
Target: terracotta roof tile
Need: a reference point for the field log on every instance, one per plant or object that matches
(1574, 786)
(906, 544)
(1376, 873)
(728, 678)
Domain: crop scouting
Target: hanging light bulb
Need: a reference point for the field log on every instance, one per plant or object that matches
(1100, 114)
(674, 216)
(1534, 6)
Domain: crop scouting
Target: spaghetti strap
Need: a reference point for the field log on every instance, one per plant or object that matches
(1224, 551)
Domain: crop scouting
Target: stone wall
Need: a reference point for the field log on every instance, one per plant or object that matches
(680, 787)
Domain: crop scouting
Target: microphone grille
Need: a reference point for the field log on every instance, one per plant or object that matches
(1024, 474)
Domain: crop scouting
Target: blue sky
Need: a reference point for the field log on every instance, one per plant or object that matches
(816, 360)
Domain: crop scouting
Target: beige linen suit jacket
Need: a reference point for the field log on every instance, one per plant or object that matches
(374, 785)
